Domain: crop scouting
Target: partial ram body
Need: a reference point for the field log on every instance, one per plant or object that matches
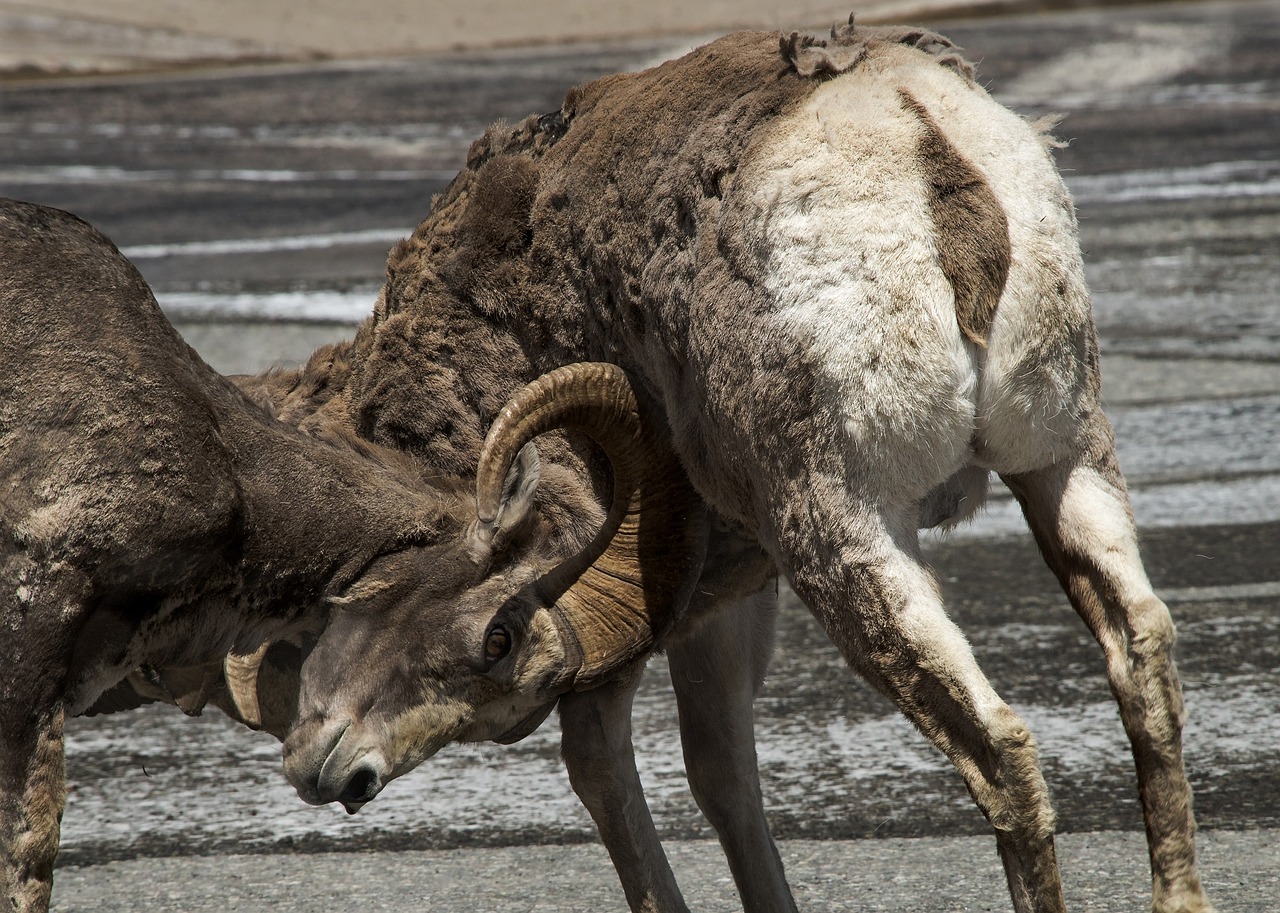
(153, 520)
(839, 286)
(160, 528)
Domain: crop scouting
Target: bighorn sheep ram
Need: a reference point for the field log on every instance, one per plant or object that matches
(837, 286)
(159, 528)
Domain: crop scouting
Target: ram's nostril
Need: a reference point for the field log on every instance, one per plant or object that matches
(362, 787)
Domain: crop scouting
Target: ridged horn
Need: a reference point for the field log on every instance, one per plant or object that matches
(241, 673)
(617, 599)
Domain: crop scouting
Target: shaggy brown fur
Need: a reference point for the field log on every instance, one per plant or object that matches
(634, 177)
(151, 516)
(812, 56)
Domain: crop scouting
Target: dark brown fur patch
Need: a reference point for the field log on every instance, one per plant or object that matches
(970, 228)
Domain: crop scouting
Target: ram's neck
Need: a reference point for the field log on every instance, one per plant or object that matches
(317, 507)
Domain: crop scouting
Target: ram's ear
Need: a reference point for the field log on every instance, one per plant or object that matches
(514, 507)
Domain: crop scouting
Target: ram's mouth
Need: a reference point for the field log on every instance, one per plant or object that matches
(333, 765)
(526, 726)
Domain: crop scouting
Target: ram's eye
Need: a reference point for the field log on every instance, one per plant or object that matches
(497, 644)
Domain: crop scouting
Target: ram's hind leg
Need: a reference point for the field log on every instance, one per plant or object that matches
(861, 574)
(1080, 514)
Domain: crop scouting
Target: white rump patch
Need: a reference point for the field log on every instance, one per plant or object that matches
(855, 272)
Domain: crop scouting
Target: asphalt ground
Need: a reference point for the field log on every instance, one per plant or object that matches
(1103, 873)
(260, 201)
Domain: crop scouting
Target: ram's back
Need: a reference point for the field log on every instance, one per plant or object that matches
(815, 243)
(110, 454)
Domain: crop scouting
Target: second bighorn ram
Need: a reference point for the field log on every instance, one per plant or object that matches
(157, 526)
(835, 288)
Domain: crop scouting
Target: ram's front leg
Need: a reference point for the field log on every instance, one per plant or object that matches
(717, 671)
(33, 651)
(597, 750)
(32, 795)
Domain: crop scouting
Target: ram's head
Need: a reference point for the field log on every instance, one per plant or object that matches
(475, 635)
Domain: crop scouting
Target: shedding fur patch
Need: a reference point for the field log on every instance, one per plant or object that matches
(822, 58)
(1044, 127)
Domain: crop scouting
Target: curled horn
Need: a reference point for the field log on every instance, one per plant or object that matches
(616, 600)
(241, 673)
